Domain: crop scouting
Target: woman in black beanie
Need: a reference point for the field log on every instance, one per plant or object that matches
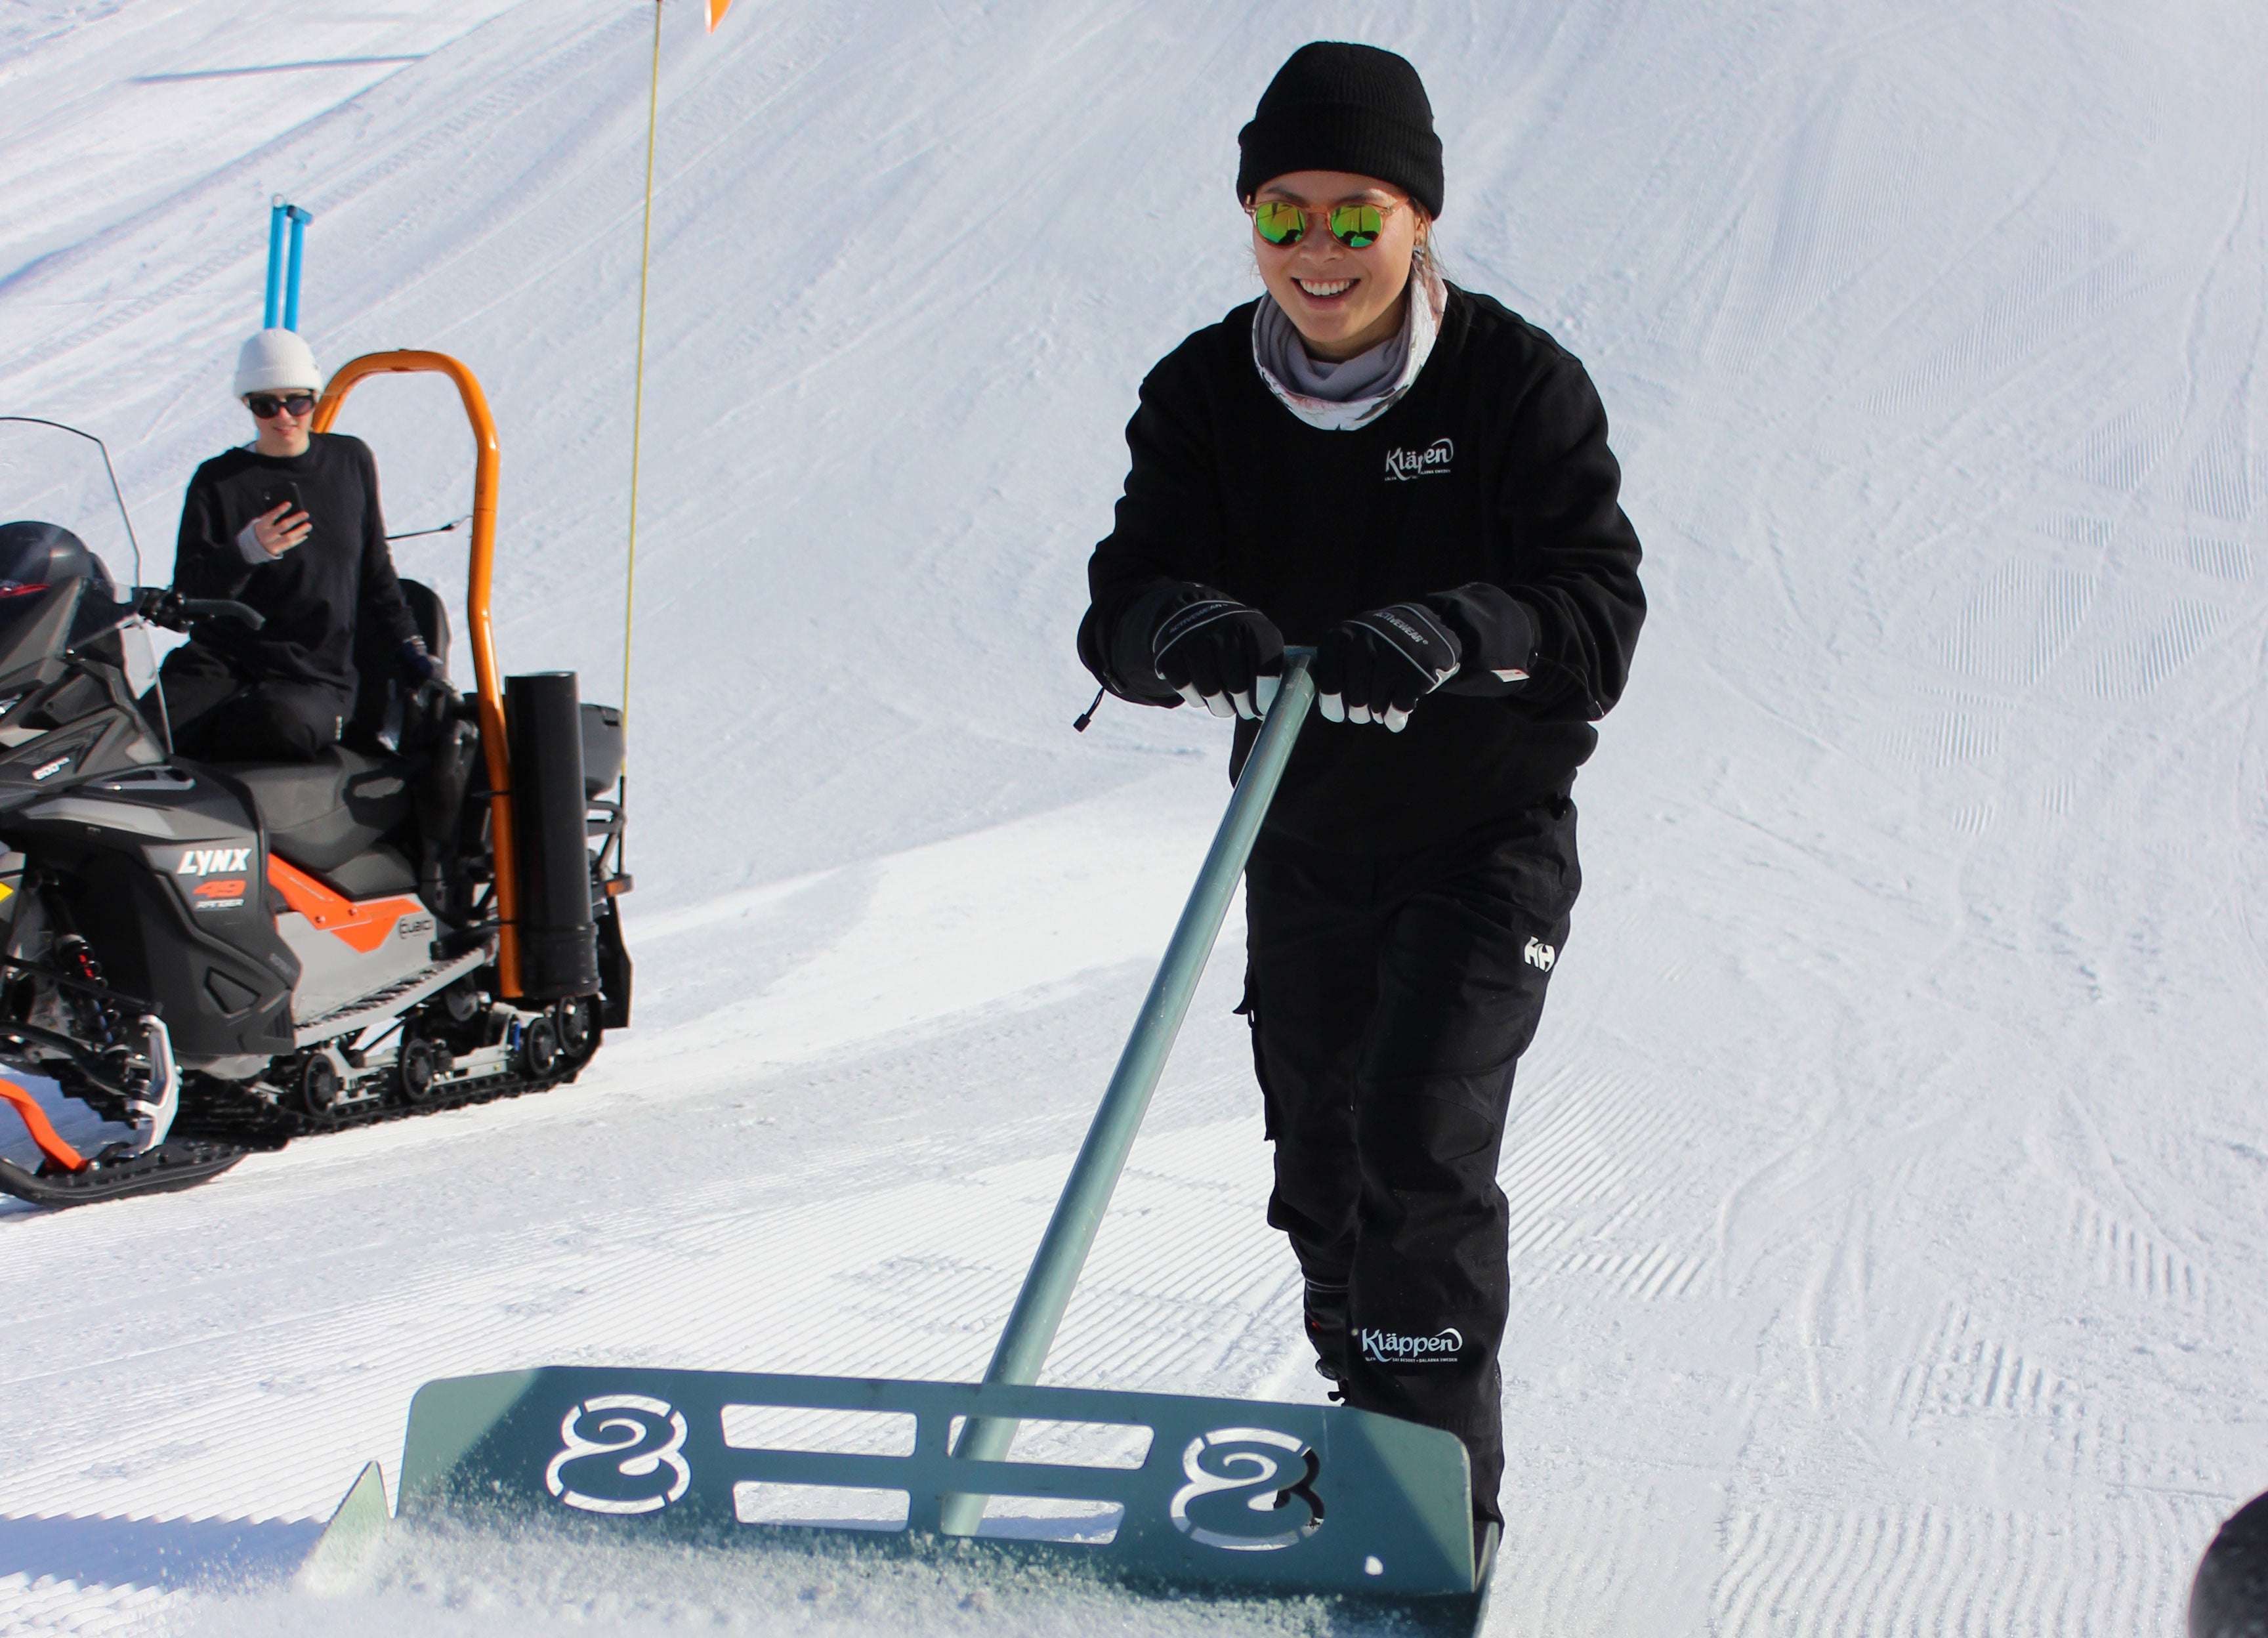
(1415, 481)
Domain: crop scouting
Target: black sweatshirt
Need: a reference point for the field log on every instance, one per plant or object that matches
(314, 592)
(1488, 491)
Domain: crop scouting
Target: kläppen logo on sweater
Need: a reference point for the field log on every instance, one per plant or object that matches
(1403, 465)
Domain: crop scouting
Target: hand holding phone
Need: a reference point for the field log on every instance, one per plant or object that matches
(283, 522)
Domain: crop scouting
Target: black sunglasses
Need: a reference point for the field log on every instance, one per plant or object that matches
(267, 406)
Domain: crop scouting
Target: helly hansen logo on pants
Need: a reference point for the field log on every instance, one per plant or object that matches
(1539, 955)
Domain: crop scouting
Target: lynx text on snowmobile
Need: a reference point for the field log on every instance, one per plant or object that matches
(227, 956)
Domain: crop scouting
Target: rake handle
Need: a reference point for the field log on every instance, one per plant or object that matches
(1055, 1270)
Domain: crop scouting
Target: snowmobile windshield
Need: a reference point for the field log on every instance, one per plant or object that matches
(63, 475)
(62, 521)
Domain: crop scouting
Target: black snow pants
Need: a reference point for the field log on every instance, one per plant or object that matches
(217, 716)
(1390, 1000)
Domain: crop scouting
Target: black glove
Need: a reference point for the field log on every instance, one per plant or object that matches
(1376, 667)
(417, 666)
(1220, 654)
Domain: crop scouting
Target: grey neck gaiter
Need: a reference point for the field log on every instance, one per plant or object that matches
(1339, 397)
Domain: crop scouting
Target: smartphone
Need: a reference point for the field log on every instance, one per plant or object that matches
(284, 492)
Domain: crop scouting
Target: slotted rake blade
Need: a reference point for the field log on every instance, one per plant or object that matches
(1229, 1496)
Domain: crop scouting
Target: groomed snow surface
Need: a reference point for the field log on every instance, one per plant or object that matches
(1887, 1181)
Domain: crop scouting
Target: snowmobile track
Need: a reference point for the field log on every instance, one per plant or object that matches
(207, 1142)
(259, 1125)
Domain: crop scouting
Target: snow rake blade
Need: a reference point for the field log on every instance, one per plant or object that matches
(353, 1534)
(1229, 1496)
(1221, 1495)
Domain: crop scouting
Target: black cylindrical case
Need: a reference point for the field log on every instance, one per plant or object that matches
(558, 942)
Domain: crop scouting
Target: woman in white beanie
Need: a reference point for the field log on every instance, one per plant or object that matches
(290, 525)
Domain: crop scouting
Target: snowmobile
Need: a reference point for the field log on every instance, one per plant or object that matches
(224, 957)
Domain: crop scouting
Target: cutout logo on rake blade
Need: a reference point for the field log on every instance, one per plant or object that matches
(620, 1453)
(1276, 1490)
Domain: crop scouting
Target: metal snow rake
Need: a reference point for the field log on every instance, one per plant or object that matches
(1231, 1496)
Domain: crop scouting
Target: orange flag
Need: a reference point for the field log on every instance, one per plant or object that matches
(717, 13)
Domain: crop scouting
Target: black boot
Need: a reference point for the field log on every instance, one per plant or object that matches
(1487, 1532)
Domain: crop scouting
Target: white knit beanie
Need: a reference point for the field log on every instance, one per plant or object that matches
(275, 360)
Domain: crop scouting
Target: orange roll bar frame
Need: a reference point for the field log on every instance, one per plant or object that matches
(488, 684)
(64, 1157)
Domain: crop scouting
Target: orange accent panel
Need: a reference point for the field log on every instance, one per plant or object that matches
(486, 681)
(36, 1120)
(365, 926)
(717, 13)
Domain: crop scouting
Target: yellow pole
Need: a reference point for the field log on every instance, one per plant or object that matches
(637, 387)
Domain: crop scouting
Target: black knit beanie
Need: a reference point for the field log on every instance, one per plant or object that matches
(1333, 106)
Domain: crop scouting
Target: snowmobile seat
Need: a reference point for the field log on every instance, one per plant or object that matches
(381, 699)
(320, 814)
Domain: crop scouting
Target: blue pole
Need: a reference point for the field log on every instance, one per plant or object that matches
(274, 264)
(300, 220)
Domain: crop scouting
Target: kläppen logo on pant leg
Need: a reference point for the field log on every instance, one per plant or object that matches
(1445, 1347)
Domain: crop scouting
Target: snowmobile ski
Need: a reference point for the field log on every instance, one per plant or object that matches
(152, 1163)
(118, 1174)
(117, 1171)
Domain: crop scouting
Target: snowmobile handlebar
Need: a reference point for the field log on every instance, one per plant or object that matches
(177, 613)
(196, 608)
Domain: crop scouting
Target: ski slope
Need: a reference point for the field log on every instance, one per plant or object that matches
(1887, 1179)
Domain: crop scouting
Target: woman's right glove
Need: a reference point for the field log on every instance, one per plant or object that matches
(1224, 655)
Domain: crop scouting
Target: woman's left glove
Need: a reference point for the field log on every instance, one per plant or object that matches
(1376, 667)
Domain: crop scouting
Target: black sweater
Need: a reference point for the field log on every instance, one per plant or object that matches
(313, 593)
(1488, 491)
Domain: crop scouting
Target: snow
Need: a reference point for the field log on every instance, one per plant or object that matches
(1885, 1179)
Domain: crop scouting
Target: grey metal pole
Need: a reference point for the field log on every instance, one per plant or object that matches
(1039, 1310)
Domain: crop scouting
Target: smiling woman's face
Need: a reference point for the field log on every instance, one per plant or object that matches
(1343, 300)
(283, 432)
